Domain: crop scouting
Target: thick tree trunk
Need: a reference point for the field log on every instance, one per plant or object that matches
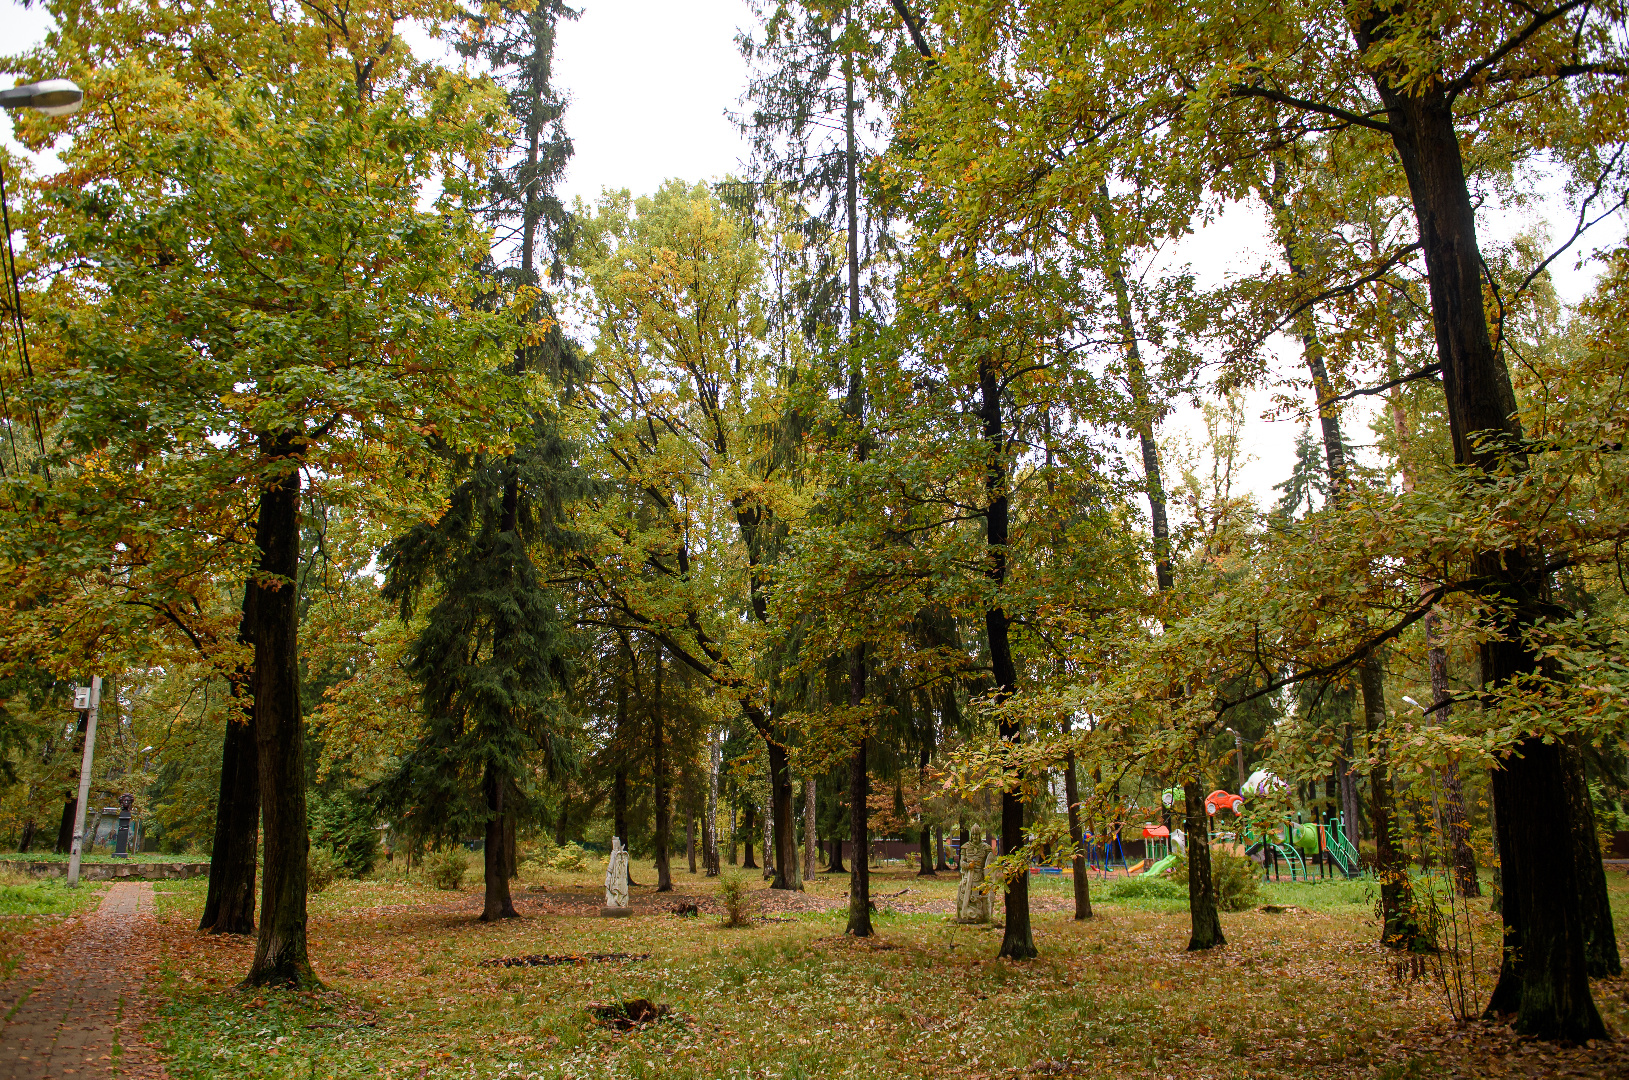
(494, 861)
(941, 865)
(783, 814)
(70, 809)
(28, 837)
(1600, 938)
(1071, 795)
(229, 907)
(690, 842)
(280, 954)
(660, 787)
(1541, 875)
(1202, 913)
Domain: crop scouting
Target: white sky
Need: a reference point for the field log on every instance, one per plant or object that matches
(650, 82)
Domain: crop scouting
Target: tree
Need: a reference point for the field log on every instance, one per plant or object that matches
(258, 293)
(491, 657)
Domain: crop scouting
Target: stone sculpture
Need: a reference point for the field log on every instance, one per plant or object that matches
(616, 881)
(972, 901)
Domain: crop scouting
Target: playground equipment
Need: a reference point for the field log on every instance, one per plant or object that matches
(1297, 844)
(1157, 842)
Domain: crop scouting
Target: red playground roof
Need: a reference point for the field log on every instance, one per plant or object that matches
(1156, 832)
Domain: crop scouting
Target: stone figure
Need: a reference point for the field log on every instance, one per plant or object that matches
(616, 880)
(972, 902)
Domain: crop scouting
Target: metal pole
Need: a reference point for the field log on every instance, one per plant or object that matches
(84, 782)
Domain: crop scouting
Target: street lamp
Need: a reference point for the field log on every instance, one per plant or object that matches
(53, 97)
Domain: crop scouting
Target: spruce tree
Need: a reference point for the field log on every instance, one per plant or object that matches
(490, 659)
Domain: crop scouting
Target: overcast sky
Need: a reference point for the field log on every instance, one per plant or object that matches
(650, 83)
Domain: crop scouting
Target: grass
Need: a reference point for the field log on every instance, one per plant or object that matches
(142, 857)
(1303, 993)
(27, 902)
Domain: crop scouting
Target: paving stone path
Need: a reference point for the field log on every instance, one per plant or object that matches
(76, 1018)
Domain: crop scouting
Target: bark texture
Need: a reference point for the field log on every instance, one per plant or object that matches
(1206, 922)
(229, 906)
(280, 953)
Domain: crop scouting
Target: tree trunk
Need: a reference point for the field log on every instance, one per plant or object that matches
(1399, 929)
(1207, 924)
(28, 837)
(229, 907)
(1600, 939)
(940, 863)
(690, 842)
(1017, 940)
(811, 838)
(659, 785)
(834, 865)
(280, 953)
(1071, 795)
(709, 825)
(1459, 821)
(747, 862)
(511, 851)
(494, 860)
(560, 824)
(619, 778)
(65, 831)
(783, 819)
(859, 790)
(1540, 875)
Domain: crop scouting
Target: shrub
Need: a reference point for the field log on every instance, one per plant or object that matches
(446, 869)
(569, 859)
(739, 903)
(1235, 879)
(1143, 887)
(322, 866)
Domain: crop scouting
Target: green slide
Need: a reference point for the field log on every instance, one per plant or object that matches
(1160, 867)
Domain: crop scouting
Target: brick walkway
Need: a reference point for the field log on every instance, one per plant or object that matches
(74, 1015)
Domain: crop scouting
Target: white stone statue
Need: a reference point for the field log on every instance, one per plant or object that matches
(972, 901)
(616, 880)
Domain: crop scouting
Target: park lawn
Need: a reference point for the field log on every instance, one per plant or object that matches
(28, 905)
(103, 857)
(1300, 993)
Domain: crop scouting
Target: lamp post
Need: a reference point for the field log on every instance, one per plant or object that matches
(86, 698)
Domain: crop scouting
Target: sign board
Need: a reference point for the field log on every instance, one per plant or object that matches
(81, 698)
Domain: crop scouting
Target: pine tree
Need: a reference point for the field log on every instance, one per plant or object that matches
(491, 658)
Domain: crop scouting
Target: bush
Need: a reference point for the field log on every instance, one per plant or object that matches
(1143, 887)
(1235, 878)
(739, 903)
(569, 859)
(322, 866)
(1237, 881)
(446, 869)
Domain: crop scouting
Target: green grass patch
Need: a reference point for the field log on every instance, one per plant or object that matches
(103, 858)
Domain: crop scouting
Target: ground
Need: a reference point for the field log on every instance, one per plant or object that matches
(410, 990)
